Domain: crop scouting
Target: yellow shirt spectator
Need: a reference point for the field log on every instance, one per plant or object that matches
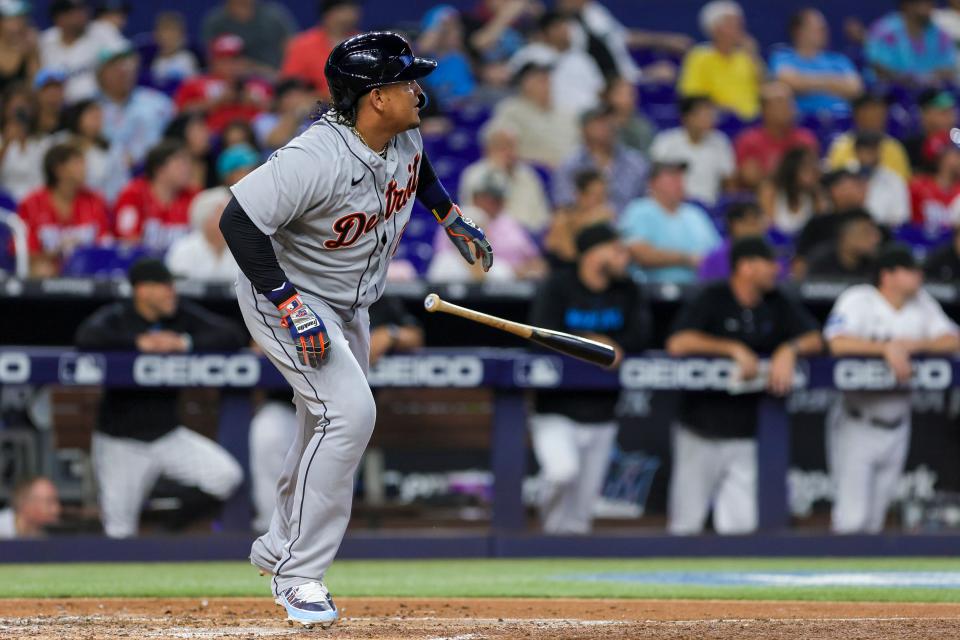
(892, 154)
(731, 81)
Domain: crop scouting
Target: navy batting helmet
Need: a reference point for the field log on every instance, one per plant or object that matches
(368, 61)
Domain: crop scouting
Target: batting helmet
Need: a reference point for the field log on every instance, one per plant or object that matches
(368, 61)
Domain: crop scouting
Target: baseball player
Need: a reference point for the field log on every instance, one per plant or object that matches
(868, 433)
(313, 230)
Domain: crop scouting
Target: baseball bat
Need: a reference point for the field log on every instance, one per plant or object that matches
(589, 350)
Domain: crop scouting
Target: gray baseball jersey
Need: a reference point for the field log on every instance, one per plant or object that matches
(335, 210)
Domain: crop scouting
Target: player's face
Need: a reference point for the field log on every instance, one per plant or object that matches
(400, 104)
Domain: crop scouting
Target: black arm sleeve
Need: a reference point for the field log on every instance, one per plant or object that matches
(430, 191)
(251, 249)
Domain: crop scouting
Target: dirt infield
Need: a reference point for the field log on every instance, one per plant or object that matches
(479, 619)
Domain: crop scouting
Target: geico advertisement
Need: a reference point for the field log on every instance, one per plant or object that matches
(427, 371)
(241, 370)
(14, 367)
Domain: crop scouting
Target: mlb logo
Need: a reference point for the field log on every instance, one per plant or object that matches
(540, 372)
(82, 368)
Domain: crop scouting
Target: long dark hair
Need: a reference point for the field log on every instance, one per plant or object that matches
(786, 177)
(73, 116)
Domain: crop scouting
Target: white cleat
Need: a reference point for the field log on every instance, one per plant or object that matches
(310, 605)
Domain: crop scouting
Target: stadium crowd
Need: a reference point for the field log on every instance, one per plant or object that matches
(562, 129)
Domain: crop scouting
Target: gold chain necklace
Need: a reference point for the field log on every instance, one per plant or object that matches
(382, 153)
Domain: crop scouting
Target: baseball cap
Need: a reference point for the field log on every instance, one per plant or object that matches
(750, 247)
(48, 75)
(239, 156)
(112, 6)
(531, 66)
(492, 183)
(834, 176)
(895, 256)
(62, 6)
(13, 8)
(437, 15)
(667, 164)
(227, 46)
(593, 235)
(936, 99)
(149, 270)
(116, 51)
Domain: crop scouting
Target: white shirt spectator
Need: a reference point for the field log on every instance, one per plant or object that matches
(888, 198)
(21, 170)
(602, 24)
(571, 68)
(78, 60)
(8, 524)
(177, 67)
(526, 200)
(193, 256)
(709, 163)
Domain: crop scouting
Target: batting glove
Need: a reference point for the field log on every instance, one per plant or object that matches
(462, 232)
(306, 328)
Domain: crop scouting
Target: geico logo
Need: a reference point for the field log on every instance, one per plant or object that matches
(14, 368)
(875, 374)
(664, 373)
(208, 371)
(428, 371)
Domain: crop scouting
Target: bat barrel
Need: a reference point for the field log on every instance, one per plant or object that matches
(589, 350)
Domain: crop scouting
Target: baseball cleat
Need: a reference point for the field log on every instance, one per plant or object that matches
(309, 604)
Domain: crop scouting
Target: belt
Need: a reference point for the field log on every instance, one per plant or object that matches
(856, 414)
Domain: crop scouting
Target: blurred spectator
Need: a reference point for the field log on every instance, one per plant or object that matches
(192, 131)
(393, 330)
(546, 135)
(792, 196)
(852, 255)
(590, 206)
(107, 171)
(202, 254)
(264, 28)
(495, 32)
(931, 195)
(63, 215)
(236, 162)
(73, 45)
(729, 69)
(48, 88)
(666, 236)
(759, 149)
(22, 146)
(153, 210)
(697, 143)
(238, 132)
(938, 113)
(173, 62)
(112, 12)
(573, 435)
(624, 169)
(634, 130)
(307, 52)
(906, 47)
(19, 53)
(517, 252)
(133, 117)
(609, 42)
(868, 433)
(888, 198)
(229, 91)
(846, 191)
(947, 18)
(293, 102)
(823, 81)
(943, 263)
(139, 436)
(570, 66)
(442, 38)
(870, 115)
(743, 220)
(34, 506)
(714, 437)
(526, 198)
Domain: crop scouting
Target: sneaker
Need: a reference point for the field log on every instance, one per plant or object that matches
(309, 604)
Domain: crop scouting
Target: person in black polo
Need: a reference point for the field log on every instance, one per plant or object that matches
(138, 437)
(573, 433)
(714, 448)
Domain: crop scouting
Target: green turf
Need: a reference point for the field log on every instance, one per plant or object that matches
(499, 578)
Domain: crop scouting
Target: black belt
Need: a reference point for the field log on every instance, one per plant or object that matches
(856, 414)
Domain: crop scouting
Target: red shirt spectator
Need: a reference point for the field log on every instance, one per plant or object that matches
(228, 92)
(153, 210)
(62, 215)
(931, 195)
(307, 52)
(759, 149)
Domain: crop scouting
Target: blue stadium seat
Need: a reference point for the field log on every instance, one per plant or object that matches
(102, 261)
